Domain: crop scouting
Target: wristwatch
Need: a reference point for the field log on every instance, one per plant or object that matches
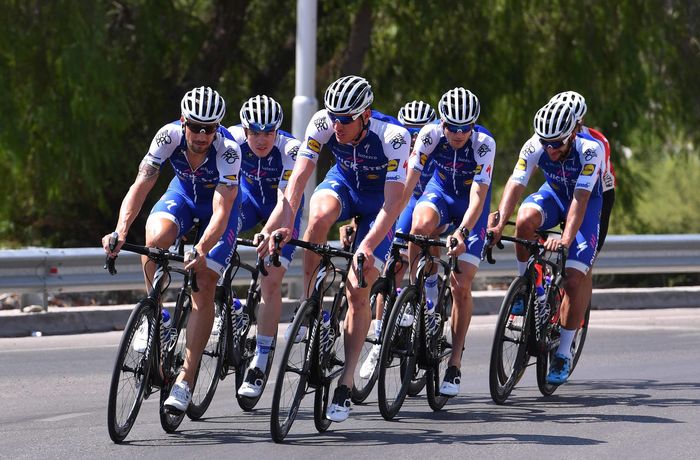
(464, 231)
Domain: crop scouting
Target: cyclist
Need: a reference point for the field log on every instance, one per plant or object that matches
(413, 116)
(206, 162)
(268, 156)
(367, 180)
(459, 193)
(571, 163)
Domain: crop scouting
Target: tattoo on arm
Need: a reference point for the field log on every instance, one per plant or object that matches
(147, 171)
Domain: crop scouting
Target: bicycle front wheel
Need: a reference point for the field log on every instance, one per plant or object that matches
(509, 355)
(173, 360)
(439, 349)
(291, 385)
(397, 358)
(362, 386)
(210, 366)
(131, 373)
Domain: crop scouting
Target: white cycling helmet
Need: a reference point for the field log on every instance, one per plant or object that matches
(459, 106)
(348, 95)
(576, 100)
(203, 105)
(416, 113)
(555, 120)
(261, 113)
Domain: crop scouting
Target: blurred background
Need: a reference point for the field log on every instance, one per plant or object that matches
(85, 85)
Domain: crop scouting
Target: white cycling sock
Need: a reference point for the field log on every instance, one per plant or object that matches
(521, 267)
(377, 327)
(262, 351)
(431, 288)
(565, 340)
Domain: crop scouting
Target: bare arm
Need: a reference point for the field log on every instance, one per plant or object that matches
(574, 218)
(288, 204)
(224, 197)
(387, 216)
(511, 196)
(411, 181)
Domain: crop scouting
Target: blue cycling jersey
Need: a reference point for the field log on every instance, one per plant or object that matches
(262, 177)
(221, 165)
(580, 169)
(455, 169)
(381, 156)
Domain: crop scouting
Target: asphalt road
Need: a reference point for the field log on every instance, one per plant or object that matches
(635, 394)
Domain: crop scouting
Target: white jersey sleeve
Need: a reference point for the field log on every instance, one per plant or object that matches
(427, 140)
(527, 160)
(228, 160)
(318, 132)
(290, 149)
(484, 155)
(592, 157)
(397, 143)
(163, 144)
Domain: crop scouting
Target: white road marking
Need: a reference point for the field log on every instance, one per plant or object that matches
(58, 418)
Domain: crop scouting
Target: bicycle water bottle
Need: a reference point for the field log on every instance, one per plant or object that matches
(541, 296)
(326, 330)
(431, 318)
(165, 324)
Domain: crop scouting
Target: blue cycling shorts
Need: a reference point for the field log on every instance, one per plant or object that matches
(583, 251)
(181, 210)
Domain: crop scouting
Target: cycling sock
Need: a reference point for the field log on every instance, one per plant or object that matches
(565, 340)
(377, 327)
(262, 351)
(521, 267)
(431, 288)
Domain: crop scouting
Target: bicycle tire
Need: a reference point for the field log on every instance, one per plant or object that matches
(121, 417)
(509, 355)
(440, 349)
(294, 366)
(398, 351)
(175, 359)
(210, 368)
(544, 358)
(362, 387)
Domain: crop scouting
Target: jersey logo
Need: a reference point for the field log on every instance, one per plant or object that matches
(287, 174)
(423, 159)
(393, 165)
(478, 169)
(397, 141)
(590, 154)
(293, 152)
(321, 123)
(522, 164)
(483, 150)
(313, 145)
(372, 176)
(231, 177)
(163, 138)
(230, 156)
(426, 139)
(171, 204)
(588, 169)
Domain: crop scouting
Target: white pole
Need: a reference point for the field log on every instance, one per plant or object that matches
(304, 104)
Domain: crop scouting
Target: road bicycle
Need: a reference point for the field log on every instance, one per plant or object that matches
(533, 332)
(313, 356)
(231, 345)
(150, 356)
(423, 345)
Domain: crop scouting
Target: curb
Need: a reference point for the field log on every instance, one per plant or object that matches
(81, 320)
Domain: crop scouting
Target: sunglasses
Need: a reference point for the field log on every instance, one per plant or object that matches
(343, 119)
(554, 144)
(199, 128)
(458, 128)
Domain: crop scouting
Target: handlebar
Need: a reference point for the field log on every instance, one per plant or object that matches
(360, 271)
(259, 261)
(275, 257)
(454, 263)
(536, 249)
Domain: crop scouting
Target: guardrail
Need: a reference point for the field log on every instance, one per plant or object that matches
(44, 270)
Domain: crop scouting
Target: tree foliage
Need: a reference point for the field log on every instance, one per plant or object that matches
(86, 84)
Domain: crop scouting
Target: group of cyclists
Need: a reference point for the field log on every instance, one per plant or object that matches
(424, 173)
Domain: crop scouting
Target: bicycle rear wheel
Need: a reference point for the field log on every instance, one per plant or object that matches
(398, 354)
(210, 367)
(544, 358)
(439, 349)
(509, 355)
(174, 359)
(362, 387)
(131, 373)
(292, 380)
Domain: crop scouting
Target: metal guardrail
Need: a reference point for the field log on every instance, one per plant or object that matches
(44, 270)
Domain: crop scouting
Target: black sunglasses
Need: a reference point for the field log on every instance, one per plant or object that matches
(200, 128)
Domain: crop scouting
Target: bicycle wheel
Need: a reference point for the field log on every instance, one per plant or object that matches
(362, 387)
(174, 359)
(509, 355)
(397, 359)
(332, 363)
(247, 345)
(210, 367)
(292, 380)
(131, 373)
(439, 347)
(544, 358)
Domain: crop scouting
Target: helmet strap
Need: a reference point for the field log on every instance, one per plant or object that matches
(365, 128)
